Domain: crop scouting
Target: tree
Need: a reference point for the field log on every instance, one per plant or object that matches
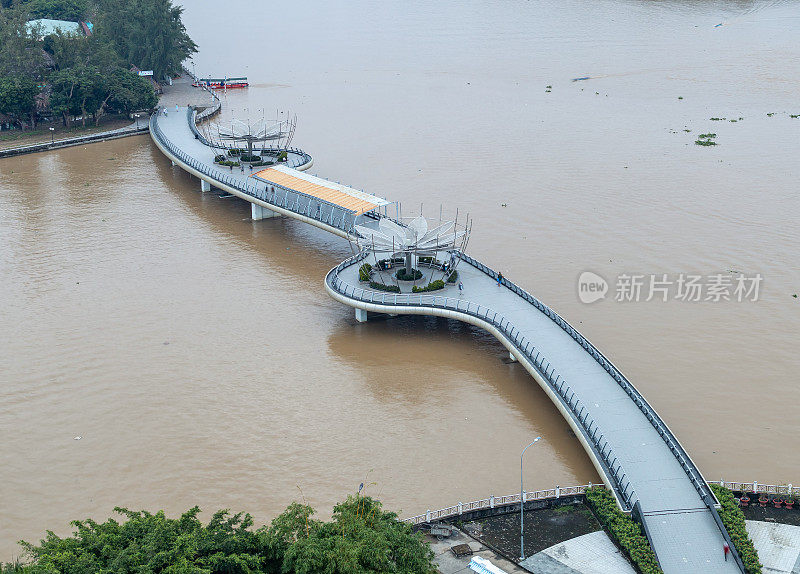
(71, 10)
(148, 34)
(360, 539)
(129, 92)
(18, 98)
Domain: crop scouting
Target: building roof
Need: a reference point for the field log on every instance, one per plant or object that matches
(351, 199)
(48, 27)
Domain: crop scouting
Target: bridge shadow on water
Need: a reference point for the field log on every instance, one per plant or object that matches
(294, 249)
(437, 363)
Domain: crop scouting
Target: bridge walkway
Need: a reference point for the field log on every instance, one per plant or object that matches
(627, 447)
(636, 454)
(173, 134)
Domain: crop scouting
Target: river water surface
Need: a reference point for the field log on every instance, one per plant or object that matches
(197, 354)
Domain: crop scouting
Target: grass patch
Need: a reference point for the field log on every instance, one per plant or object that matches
(622, 529)
(733, 519)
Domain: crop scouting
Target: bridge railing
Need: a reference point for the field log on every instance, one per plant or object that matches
(285, 198)
(756, 487)
(588, 427)
(498, 502)
(689, 467)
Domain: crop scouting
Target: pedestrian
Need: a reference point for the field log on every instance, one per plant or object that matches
(726, 550)
(499, 279)
(176, 107)
(165, 111)
(460, 288)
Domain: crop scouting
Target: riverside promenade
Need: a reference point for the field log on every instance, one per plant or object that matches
(638, 457)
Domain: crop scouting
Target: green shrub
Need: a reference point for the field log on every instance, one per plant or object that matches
(282, 156)
(382, 287)
(250, 158)
(364, 272)
(413, 276)
(219, 158)
(733, 519)
(234, 152)
(432, 286)
(453, 277)
(622, 528)
(230, 163)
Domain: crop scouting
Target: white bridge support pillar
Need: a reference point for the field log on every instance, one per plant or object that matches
(258, 213)
(361, 315)
(204, 185)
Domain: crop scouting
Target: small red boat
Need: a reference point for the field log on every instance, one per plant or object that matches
(221, 83)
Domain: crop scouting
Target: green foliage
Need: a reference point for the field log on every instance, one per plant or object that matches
(234, 151)
(71, 10)
(623, 530)
(382, 287)
(413, 276)
(283, 156)
(146, 33)
(219, 158)
(361, 538)
(706, 139)
(365, 272)
(17, 96)
(432, 286)
(733, 519)
(453, 277)
(250, 158)
(20, 55)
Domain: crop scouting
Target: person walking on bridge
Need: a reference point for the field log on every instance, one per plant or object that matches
(499, 279)
(726, 550)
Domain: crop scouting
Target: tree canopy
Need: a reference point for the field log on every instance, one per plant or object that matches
(87, 76)
(360, 539)
(146, 33)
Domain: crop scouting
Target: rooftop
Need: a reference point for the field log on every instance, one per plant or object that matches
(352, 199)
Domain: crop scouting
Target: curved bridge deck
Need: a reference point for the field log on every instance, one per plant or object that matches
(632, 448)
(638, 457)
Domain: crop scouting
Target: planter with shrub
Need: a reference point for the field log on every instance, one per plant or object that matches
(623, 530)
(383, 287)
(365, 272)
(432, 286)
(733, 519)
(413, 276)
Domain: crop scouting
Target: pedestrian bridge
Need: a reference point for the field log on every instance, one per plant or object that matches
(633, 450)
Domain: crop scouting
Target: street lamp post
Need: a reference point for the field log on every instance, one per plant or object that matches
(137, 120)
(522, 503)
(52, 133)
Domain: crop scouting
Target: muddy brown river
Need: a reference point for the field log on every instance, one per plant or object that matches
(196, 353)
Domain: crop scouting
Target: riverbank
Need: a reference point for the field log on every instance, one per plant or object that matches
(19, 143)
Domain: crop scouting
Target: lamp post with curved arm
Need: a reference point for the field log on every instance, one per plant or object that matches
(522, 503)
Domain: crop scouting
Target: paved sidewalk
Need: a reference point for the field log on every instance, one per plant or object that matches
(592, 553)
(778, 546)
(447, 563)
